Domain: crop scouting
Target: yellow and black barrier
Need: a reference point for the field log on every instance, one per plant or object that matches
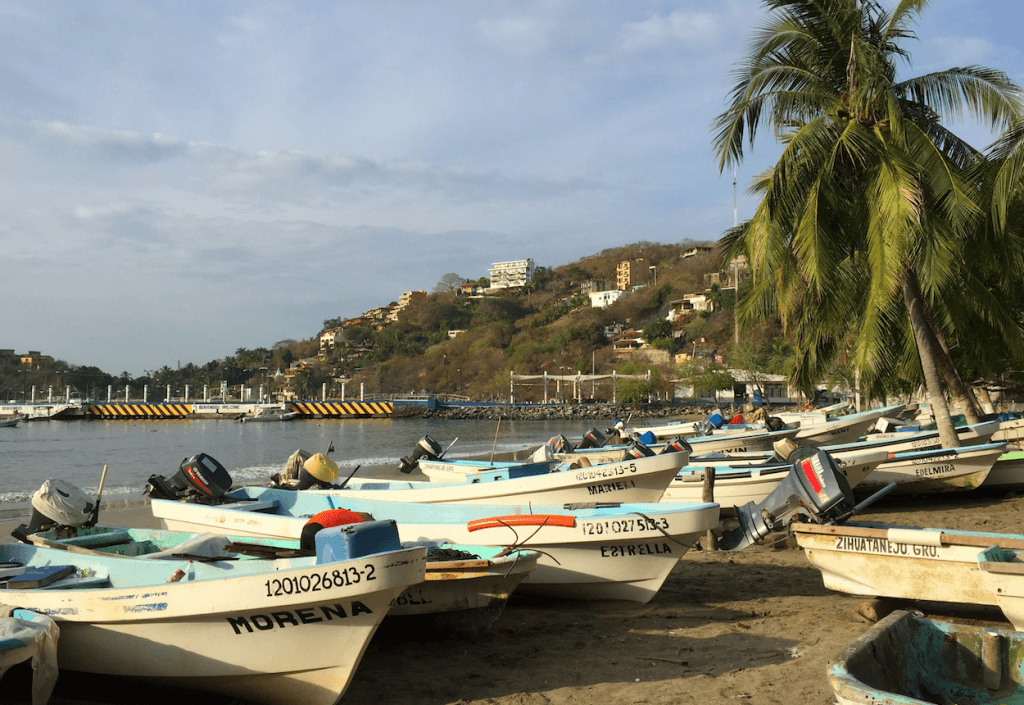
(140, 411)
(344, 409)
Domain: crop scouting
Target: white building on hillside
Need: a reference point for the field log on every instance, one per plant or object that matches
(600, 299)
(505, 275)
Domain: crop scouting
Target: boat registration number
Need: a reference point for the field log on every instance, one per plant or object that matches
(623, 526)
(605, 471)
(316, 582)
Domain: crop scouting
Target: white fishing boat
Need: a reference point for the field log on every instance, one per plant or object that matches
(890, 442)
(591, 551)
(461, 470)
(739, 442)
(635, 480)
(276, 631)
(1003, 572)
(465, 588)
(906, 659)
(879, 560)
(1010, 430)
(843, 429)
(29, 636)
(269, 413)
(937, 470)
(695, 429)
(1007, 472)
(736, 485)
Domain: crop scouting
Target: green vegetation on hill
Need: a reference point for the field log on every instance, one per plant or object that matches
(546, 326)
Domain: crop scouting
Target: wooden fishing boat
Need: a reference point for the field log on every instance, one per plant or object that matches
(589, 551)
(879, 560)
(634, 480)
(272, 630)
(27, 635)
(936, 470)
(736, 485)
(905, 659)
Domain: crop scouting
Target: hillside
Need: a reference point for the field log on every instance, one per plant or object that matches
(547, 326)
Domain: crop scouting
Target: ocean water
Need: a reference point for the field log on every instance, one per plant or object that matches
(76, 451)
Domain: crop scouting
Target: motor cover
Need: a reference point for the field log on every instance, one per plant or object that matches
(427, 448)
(676, 445)
(815, 490)
(636, 450)
(200, 478)
(592, 439)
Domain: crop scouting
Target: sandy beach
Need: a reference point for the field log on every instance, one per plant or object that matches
(753, 626)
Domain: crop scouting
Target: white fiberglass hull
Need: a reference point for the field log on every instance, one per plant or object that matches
(736, 486)
(942, 470)
(640, 480)
(589, 554)
(281, 636)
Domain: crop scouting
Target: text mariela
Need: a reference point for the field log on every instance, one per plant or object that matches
(867, 544)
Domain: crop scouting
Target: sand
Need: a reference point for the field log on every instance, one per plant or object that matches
(754, 626)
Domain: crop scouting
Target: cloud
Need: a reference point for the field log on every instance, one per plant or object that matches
(690, 29)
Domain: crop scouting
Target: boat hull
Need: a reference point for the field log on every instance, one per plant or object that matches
(943, 470)
(295, 634)
(901, 562)
(640, 480)
(909, 660)
(590, 554)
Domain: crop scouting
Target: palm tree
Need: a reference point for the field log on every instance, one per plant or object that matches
(867, 219)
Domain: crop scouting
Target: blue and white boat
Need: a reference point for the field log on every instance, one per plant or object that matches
(591, 550)
(169, 607)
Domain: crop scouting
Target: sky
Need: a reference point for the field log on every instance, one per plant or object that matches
(181, 179)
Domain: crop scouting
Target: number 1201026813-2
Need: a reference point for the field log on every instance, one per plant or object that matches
(337, 578)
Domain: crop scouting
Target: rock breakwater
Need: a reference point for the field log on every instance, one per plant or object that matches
(544, 412)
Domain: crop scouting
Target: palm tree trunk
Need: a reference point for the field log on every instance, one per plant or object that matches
(963, 397)
(927, 348)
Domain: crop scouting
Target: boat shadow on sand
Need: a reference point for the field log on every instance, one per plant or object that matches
(710, 618)
(716, 613)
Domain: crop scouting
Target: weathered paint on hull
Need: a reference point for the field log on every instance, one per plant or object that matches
(908, 660)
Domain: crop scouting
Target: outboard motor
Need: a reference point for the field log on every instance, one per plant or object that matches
(592, 439)
(815, 490)
(427, 448)
(200, 479)
(677, 445)
(57, 503)
(635, 449)
(774, 423)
